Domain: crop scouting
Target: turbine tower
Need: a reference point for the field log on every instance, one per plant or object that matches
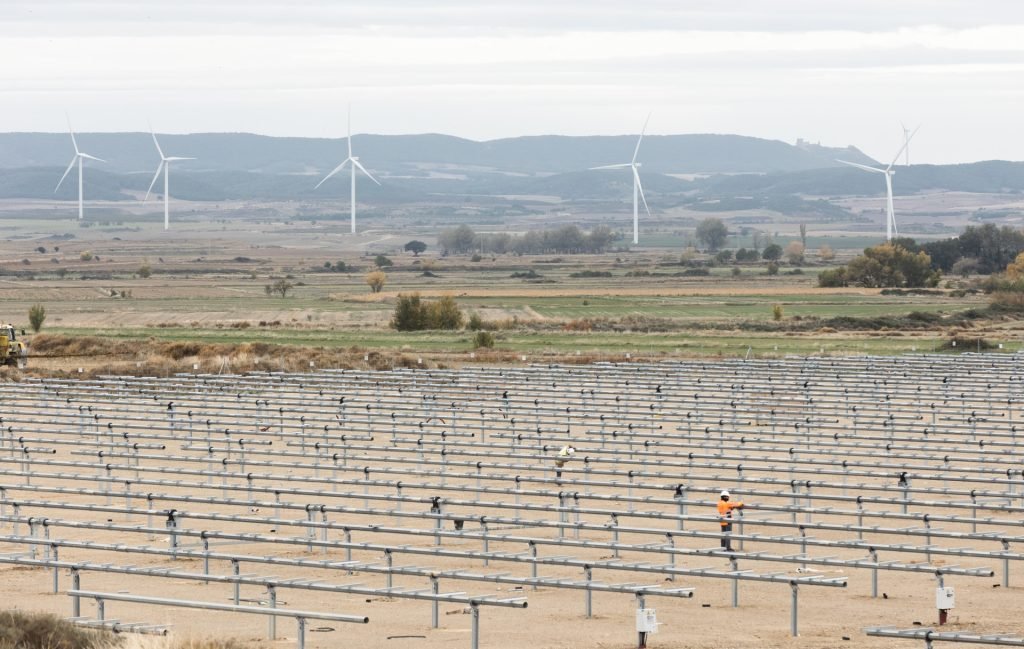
(164, 166)
(355, 163)
(890, 222)
(78, 157)
(638, 190)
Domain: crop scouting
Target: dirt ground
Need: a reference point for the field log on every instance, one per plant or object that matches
(828, 617)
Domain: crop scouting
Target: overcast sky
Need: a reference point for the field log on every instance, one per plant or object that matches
(838, 71)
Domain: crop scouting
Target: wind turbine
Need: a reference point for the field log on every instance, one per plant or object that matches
(355, 163)
(164, 166)
(78, 157)
(638, 190)
(890, 223)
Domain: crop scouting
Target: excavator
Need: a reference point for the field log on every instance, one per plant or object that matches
(13, 352)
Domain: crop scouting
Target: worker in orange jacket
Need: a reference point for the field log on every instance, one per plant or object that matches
(725, 518)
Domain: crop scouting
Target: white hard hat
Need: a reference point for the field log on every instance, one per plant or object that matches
(725, 494)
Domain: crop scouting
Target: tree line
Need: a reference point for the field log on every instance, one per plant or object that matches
(568, 239)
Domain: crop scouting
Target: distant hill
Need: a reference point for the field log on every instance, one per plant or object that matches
(419, 155)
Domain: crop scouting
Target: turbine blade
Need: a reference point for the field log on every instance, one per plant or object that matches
(172, 158)
(906, 143)
(336, 170)
(158, 149)
(74, 142)
(621, 166)
(363, 169)
(66, 172)
(636, 177)
(350, 130)
(91, 157)
(159, 168)
(864, 167)
(636, 151)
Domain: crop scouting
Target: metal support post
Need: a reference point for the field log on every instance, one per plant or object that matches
(641, 641)
(474, 611)
(874, 572)
(734, 566)
(76, 585)
(272, 619)
(435, 588)
(793, 629)
(588, 574)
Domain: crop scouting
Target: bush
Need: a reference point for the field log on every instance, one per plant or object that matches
(835, 278)
(773, 268)
(483, 339)
(528, 274)
(144, 271)
(475, 258)
(376, 280)
(85, 255)
(736, 272)
(412, 314)
(591, 273)
(36, 317)
(476, 323)
(776, 312)
(39, 631)
(380, 261)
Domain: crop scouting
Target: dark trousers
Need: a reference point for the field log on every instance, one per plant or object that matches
(726, 537)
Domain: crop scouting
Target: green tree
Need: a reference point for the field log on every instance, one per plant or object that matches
(483, 339)
(409, 314)
(380, 261)
(415, 247)
(712, 233)
(891, 266)
(772, 252)
(36, 317)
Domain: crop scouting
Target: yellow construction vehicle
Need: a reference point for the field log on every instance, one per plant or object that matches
(13, 352)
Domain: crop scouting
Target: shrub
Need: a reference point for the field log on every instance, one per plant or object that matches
(776, 312)
(36, 317)
(380, 261)
(444, 314)
(144, 271)
(591, 273)
(32, 630)
(835, 278)
(85, 255)
(736, 272)
(376, 280)
(483, 339)
(773, 268)
(475, 258)
(476, 323)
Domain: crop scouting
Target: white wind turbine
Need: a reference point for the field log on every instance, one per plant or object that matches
(355, 163)
(78, 157)
(638, 190)
(890, 223)
(164, 166)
